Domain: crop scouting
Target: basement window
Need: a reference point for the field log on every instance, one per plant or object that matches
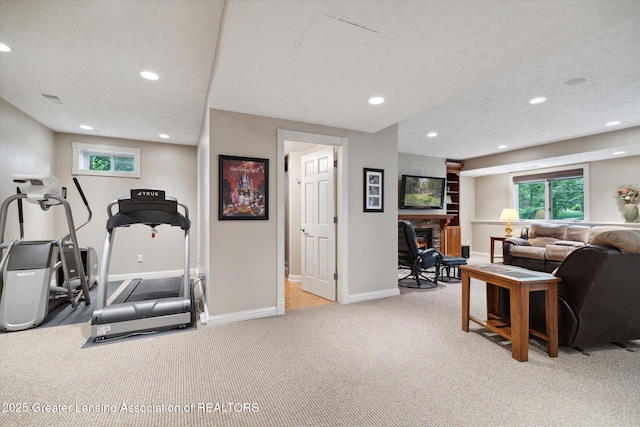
(557, 194)
(105, 160)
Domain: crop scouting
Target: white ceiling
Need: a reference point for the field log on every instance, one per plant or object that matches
(90, 54)
(465, 69)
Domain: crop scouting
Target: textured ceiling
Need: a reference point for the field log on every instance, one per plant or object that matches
(497, 112)
(465, 69)
(90, 54)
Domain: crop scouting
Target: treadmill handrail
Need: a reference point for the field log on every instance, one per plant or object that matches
(147, 216)
(108, 246)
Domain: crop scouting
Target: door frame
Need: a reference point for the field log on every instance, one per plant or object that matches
(342, 209)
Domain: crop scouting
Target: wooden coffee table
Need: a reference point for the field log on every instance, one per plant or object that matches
(519, 282)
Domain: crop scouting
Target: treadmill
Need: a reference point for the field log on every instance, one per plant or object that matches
(145, 305)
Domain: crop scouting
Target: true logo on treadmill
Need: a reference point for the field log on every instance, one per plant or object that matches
(148, 193)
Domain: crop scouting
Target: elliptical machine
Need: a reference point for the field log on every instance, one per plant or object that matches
(29, 269)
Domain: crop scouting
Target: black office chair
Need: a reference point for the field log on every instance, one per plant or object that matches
(423, 264)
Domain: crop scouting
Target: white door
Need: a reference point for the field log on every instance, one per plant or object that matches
(318, 229)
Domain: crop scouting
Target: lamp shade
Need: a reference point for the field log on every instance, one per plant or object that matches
(509, 215)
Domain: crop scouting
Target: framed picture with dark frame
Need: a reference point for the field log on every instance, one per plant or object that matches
(373, 190)
(243, 188)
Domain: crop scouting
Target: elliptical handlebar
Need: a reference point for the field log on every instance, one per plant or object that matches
(20, 215)
(86, 203)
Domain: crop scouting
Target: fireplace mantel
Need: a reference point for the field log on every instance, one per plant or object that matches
(447, 217)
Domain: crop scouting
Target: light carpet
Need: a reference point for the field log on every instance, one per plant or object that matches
(399, 361)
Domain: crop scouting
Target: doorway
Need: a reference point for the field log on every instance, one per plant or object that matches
(296, 297)
(309, 142)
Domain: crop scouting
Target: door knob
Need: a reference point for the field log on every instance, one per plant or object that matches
(303, 230)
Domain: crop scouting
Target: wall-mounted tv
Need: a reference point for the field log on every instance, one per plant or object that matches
(422, 192)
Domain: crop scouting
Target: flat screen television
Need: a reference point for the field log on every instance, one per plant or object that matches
(422, 192)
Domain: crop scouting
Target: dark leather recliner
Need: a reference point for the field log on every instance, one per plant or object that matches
(598, 298)
(419, 262)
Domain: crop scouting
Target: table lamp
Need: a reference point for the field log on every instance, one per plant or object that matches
(509, 215)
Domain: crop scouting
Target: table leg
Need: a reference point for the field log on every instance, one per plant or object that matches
(493, 300)
(493, 244)
(519, 297)
(551, 310)
(466, 291)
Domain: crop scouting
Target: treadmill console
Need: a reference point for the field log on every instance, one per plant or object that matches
(144, 199)
(143, 195)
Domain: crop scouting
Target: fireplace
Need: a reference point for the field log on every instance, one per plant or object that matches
(434, 223)
(425, 236)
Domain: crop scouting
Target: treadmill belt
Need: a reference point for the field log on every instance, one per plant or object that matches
(143, 290)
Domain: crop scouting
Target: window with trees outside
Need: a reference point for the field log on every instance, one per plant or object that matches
(558, 195)
(90, 159)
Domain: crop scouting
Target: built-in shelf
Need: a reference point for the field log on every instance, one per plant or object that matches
(452, 239)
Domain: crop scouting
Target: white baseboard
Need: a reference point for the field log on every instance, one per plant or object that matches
(366, 296)
(343, 297)
(151, 275)
(294, 277)
(239, 316)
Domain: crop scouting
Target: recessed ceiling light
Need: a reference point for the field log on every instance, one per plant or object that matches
(576, 81)
(4, 48)
(432, 134)
(617, 153)
(502, 146)
(149, 75)
(612, 123)
(86, 127)
(537, 100)
(163, 135)
(376, 100)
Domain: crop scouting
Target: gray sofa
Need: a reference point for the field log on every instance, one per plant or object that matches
(543, 246)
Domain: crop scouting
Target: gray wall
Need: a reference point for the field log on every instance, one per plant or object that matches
(243, 268)
(26, 147)
(373, 237)
(204, 196)
(467, 209)
(166, 167)
(606, 177)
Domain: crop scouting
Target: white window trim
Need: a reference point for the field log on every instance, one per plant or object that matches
(81, 153)
(585, 175)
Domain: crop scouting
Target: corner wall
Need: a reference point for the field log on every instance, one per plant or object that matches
(168, 167)
(26, 147)
(243, 269)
